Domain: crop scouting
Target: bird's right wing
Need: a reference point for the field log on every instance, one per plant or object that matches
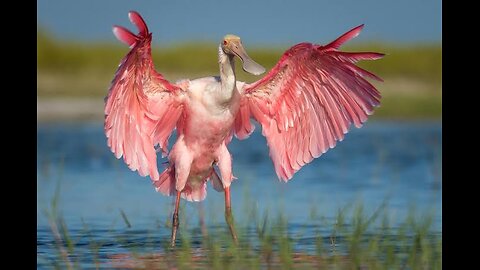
(142, 108)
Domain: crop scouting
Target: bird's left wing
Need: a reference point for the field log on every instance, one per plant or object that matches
(308, 101)
(142, 108)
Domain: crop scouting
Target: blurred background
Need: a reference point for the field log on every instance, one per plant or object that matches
(78, 54)
(394, 158)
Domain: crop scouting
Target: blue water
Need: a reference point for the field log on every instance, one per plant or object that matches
(394, 162)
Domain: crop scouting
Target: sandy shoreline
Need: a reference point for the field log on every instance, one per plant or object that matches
(64, 109)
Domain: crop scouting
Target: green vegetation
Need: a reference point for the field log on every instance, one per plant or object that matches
(412, 74)
(355, 240)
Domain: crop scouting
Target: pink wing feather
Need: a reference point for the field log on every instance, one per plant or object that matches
(308, 101)
(142, 108)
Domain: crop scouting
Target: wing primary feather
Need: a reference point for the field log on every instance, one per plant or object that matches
(138, 99)
(138, 21)
(309, 100)
(124, 35)
(344, 38)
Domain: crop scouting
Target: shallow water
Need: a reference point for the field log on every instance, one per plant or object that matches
(398, 163)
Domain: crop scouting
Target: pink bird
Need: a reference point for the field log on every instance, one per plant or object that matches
(304, 105)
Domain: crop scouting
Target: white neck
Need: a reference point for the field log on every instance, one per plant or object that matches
(227, 75)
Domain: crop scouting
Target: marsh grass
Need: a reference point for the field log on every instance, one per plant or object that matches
(355, 239)
(420, 61)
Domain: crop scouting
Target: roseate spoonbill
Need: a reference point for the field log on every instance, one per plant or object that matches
(304, 105)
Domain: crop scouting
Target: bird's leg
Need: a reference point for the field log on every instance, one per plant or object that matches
(175, 222)
(228, 215)
(225, 167)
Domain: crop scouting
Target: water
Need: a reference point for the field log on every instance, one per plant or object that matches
(398, 163)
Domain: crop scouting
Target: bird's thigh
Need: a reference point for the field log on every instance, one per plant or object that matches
(225, 166)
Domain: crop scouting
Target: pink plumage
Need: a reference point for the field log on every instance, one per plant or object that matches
(305, 104)
(130, 119)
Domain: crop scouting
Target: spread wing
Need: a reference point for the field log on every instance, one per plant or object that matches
(308, 101)
(142, 108)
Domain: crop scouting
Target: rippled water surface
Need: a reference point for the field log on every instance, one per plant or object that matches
(109, 211)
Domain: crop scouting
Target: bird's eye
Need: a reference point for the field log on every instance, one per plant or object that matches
(224, 42)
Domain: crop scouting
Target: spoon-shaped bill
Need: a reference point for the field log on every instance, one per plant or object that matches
(249, 65)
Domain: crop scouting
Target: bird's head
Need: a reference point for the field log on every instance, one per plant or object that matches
(232, 45)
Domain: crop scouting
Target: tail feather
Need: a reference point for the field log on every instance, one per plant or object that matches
(166, 185)
(166, 182)
(195, 194)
